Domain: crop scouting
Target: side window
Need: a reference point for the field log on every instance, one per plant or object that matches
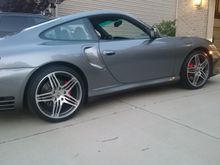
(72, 31)
(117, 29)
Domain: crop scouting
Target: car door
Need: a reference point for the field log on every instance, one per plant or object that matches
(128, 51)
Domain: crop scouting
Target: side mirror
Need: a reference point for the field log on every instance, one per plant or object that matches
(154, 33)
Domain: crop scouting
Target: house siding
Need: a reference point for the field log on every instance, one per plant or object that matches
(149, 11)
(191, 20)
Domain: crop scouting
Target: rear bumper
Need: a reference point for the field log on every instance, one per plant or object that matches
(12, 86)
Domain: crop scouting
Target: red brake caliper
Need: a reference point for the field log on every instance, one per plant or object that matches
(190, 65)
(70, 92)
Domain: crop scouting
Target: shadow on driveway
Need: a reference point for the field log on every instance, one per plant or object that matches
(7, 117)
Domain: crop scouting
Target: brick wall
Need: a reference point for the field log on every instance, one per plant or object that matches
(191, 20)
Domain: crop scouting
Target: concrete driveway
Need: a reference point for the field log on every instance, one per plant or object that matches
(157, 126)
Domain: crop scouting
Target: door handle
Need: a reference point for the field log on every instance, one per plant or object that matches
(109, 52)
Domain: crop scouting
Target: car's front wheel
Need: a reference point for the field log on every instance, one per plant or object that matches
(55, 93)
(196, 70)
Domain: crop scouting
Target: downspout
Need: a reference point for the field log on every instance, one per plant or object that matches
(211, 19)
(177, 7)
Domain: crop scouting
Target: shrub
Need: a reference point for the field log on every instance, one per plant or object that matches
(167, 28)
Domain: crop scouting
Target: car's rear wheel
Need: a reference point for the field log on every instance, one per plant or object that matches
(55, 93)
(196, 70)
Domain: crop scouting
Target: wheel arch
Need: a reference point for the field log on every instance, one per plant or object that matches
(204, 49)
(77, 69)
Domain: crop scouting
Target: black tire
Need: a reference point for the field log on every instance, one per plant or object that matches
(188, 79)
(43, 82)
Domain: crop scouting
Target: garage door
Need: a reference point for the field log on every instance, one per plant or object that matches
(150, 11)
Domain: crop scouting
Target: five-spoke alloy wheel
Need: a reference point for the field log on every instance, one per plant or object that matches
(196, 70)
(55, 93)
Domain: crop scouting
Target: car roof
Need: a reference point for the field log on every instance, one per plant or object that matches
(63, 19)
(94, 13)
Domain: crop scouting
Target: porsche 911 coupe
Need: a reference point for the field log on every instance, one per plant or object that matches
(55, 66)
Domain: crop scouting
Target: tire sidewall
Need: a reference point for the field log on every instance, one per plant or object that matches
(35, 80)
(184, 79)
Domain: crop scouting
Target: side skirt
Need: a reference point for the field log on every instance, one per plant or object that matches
(124, 87)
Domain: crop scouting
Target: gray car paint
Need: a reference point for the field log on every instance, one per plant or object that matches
(23, 54)
(137, 57)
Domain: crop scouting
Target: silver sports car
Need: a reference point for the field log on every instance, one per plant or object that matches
(55, 66)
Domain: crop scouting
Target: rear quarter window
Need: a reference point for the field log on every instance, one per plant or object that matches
(72, 31)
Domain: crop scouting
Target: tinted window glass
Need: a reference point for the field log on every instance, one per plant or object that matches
(115, 28)
(72, 31)
(39, 20)
(14, 24)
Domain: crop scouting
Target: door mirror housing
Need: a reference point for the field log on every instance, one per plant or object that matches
(154, 33)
